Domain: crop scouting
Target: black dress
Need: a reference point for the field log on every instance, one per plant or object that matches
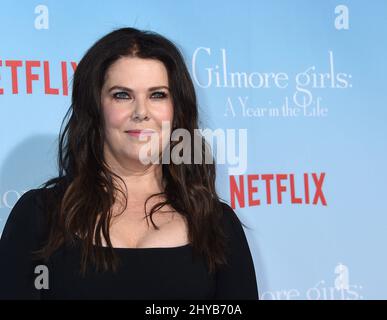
(144, 273)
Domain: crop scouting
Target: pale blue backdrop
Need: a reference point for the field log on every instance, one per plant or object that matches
(300, 251)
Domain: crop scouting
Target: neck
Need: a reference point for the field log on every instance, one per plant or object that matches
(138, 179)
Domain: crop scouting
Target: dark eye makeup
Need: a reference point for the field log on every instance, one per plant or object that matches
(124, 95)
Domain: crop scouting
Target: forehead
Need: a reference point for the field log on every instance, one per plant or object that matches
(137, 73)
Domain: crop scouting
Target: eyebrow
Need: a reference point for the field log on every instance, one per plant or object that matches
(131, 90)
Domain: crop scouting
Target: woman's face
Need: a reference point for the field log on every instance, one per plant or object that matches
(135, 96)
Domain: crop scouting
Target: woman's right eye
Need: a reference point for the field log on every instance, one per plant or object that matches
(120, 95)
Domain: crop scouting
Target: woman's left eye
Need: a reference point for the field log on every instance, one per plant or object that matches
(160, 94)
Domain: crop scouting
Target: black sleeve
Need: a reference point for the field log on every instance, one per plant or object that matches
(18, 240)
(237, 279)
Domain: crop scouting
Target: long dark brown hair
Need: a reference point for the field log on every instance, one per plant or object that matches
(82, 195)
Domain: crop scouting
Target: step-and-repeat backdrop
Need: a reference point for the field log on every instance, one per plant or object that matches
(303, 82)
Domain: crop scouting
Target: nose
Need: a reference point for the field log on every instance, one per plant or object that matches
(140, 111)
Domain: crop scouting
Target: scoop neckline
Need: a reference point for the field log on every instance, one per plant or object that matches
(147, 248)
(139, 249)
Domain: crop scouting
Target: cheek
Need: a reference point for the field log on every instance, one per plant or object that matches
(114, 117)
(164, 114)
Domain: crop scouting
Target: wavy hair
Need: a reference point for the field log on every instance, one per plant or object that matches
(83, 193)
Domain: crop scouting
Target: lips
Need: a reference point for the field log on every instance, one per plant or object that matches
(138, 132)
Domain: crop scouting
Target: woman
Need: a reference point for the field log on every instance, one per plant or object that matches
(86, 234)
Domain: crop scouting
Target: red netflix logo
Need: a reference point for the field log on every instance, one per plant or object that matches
(310, 192)
(31, 70)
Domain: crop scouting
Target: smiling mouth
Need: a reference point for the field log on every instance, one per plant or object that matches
(137, 133)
